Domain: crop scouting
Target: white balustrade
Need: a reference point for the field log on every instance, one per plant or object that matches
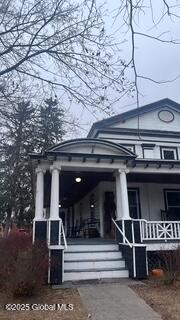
(160, 230)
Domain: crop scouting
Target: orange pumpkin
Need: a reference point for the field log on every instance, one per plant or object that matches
(157, 272)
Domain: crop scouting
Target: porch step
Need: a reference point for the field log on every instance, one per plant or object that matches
(87, 255)
(96, 261)
(94, 264)
(92, 247)
(95, 274)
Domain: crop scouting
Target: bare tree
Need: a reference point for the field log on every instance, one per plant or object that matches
(131, 13)
(61, 43)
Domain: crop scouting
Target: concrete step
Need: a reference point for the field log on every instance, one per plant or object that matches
(74, 275)
(94, 264)
(92, 248)
(95, 255)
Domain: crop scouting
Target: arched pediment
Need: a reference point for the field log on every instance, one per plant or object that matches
(91, 146)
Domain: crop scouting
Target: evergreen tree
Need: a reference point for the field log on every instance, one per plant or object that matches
(50, 124)
(24, 129)
(16, 192)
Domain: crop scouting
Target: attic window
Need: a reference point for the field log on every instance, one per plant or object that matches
(148, 150)
(166, 116)
(148, 153)
(169, 153)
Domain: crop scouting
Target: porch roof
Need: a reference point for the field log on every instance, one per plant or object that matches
(158, 163)
(86, 149)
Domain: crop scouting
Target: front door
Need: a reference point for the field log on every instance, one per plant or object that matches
(134, 203)
(109, 213)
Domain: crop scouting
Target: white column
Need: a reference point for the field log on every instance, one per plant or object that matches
(122, 205)
(39, 205)
(54, 206)
(118, 197)
(124, 195)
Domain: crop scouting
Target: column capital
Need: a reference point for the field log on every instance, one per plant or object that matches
(119, 171)
(40, 169)
(55, 167)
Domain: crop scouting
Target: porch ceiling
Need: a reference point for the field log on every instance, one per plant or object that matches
(71, 191)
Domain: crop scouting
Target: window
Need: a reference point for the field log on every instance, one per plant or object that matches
(148, 153)
(148, 150)
(169, 153)
(134, 203)
(172, 201)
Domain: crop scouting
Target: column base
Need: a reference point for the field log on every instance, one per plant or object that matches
(136, 260)
(126, 227)
(131, 230)
(39, 230)
(134, 252)
(55, 272)
(54, 232)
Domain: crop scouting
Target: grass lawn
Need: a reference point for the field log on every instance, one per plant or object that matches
(162, 298)
(46, 296)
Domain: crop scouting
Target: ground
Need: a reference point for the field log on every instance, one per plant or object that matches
(164, 299)
(48, 296)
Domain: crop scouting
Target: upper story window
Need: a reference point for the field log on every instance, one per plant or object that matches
(148, 150)
(168, 153)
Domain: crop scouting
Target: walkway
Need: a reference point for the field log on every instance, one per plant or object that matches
(115, 301)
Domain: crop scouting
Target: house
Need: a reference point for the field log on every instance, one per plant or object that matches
(105, 201)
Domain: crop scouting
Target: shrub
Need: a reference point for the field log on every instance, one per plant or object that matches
(23, 266)
(170, 262)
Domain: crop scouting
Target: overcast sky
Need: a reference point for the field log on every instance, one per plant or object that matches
(157, 60)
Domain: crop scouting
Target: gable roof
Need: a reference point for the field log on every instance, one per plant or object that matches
(133, 113)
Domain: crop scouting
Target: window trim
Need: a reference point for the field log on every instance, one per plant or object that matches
(148, 145)
(169, 148)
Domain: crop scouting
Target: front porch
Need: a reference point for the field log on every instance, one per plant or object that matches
(103, 192)
(149, 201)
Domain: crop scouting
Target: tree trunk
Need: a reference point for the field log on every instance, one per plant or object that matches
(8, 222)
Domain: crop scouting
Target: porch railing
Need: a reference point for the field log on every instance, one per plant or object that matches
(62, 235)
(125, 240)
(61, 238)
(131, 252)
(160, 230)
